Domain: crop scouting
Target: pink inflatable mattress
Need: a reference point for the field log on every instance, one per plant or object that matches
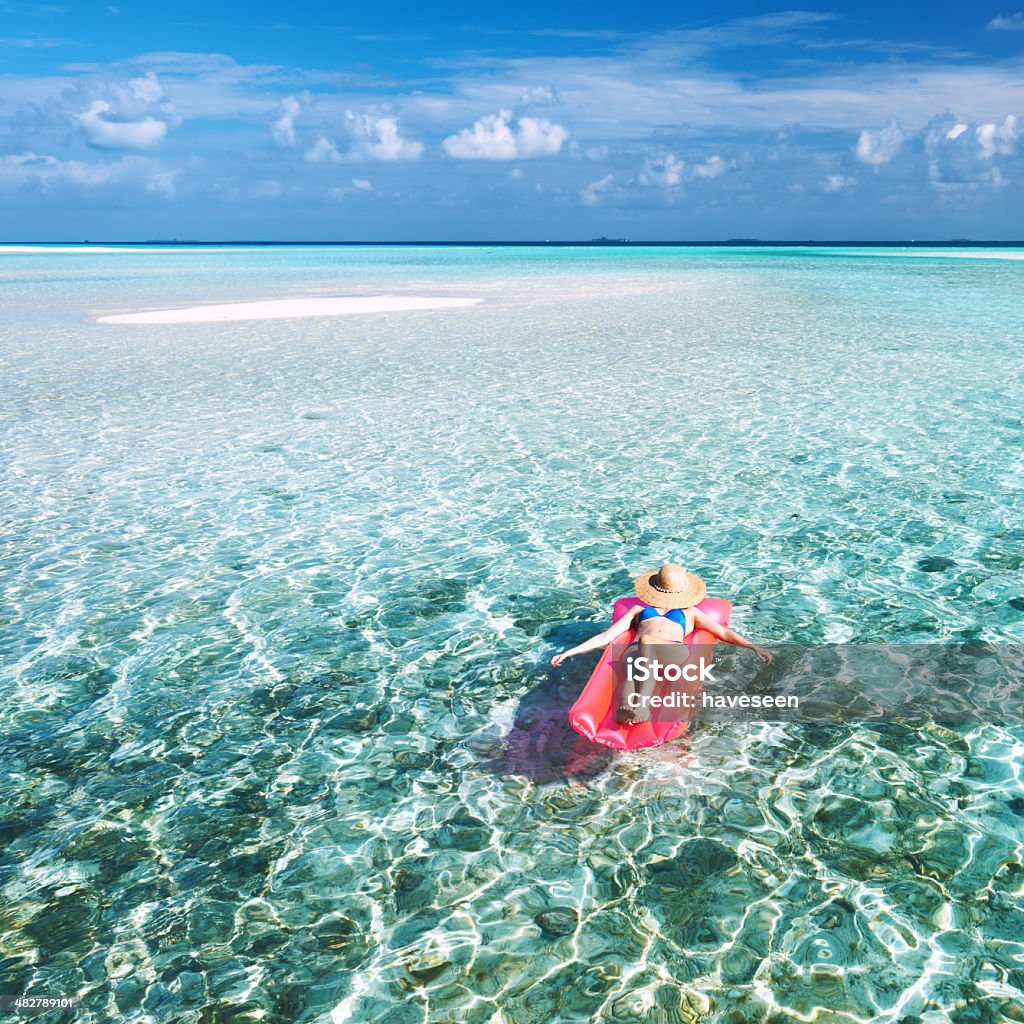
(593, 714)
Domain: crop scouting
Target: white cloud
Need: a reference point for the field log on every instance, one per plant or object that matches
(29, 168)
(629, 95)
(657, 181)
(997, 138)
(951, 157)
(372, 139)
(539, 137)
(134, 116)
(837, 183)
(323, 151)
(539, 94)
(711, 168)
(108, 133)
(1008, 22)
(340, 192)
(378, 138)
(880, 147)
(663, 171)
(516, 174)
(490, 138)
(493, 138)
(591, 195)
(282, 131)
(146, 89)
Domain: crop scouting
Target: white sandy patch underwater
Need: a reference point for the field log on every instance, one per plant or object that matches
(91, 250)
(282, 309)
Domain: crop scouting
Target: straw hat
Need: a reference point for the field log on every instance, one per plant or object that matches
(670, 587)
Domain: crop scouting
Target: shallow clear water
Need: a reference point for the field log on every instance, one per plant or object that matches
(278, 599)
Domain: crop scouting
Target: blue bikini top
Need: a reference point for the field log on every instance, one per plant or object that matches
(677, 615)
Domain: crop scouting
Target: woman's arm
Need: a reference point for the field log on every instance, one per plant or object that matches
(603, 639)
(727, 635)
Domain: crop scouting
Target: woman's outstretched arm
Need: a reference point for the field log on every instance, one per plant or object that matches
(727, 635)
(603, 639)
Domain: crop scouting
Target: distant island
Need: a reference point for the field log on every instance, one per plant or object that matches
(608, 241)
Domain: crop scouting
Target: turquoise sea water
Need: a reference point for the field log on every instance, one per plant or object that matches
(280, 740)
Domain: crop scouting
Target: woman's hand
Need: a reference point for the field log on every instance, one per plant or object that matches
(559, 658)
(764, 655)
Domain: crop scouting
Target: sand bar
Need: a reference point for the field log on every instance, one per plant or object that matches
(280, 309)
(44, 250)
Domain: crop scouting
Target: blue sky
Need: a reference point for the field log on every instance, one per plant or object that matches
(467, 121)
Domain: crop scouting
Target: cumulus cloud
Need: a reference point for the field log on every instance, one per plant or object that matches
(373, 138)
(493, 137)
(490, 138)
(103, 131)
(1007, 22)
(282, 131)
(323, 151)
(19, 168)
(135, 117)
(33, 169)
(658, 181)
(711, 168)
(877, 148)
(539, 137)
(539, 94)
(378, 138)
(997, 138)
(837, 183)
(591, 194)
(362, 184)
(951, 154)
(663, 171)
(146, 89)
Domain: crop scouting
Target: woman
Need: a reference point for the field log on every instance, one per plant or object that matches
(667, 618)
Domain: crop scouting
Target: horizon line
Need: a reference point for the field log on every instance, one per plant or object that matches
(593, 242)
